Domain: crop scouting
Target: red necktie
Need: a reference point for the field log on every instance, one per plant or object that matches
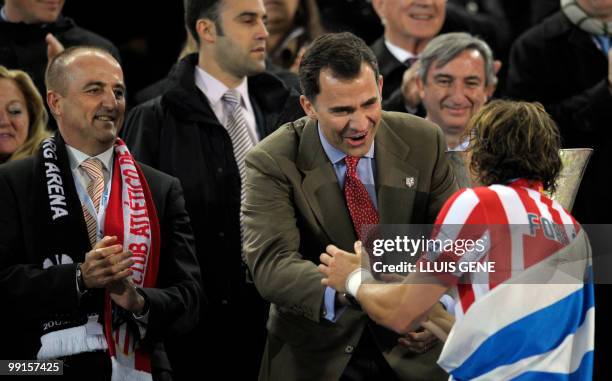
(358, 200)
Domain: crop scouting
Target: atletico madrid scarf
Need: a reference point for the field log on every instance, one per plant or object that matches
(132, 218)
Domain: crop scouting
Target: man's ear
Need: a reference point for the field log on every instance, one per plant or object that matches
(207, 30)
(380, 86)
(54, 100)
(308, 107)
(378, 6)
(420, 86)
(491, 87)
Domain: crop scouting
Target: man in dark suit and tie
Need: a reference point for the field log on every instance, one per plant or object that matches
(97, 259)
(318, 181)
(220, 102)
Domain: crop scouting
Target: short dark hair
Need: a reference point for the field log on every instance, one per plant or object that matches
(343, 53)
(515, 140)
(55, 74)
(202, 9)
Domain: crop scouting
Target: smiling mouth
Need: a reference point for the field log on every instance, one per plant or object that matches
(6, 135)
(105, 118)
(421, 17)
(455, 110)
(357, 139)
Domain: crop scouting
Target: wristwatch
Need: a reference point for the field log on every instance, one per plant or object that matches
(80, 282)
(352, 301)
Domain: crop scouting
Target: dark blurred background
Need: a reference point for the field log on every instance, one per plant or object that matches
(149, 34)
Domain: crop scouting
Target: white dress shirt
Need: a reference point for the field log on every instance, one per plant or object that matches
(399, 53)
(76, 157)
(214, 89)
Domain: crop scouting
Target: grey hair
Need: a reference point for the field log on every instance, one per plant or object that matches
(446, 47)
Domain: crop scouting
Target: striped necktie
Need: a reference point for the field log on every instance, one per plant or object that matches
(239, 134)
(238, 130)
(95, 188)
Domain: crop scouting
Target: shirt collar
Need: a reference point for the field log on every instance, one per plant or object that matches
(400, 54)
(463, 146)
(214, 89)
(76, 157)
(334, 154)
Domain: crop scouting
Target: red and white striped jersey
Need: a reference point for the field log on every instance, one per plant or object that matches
(520, 225)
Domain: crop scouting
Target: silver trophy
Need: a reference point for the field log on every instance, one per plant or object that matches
(574, 162)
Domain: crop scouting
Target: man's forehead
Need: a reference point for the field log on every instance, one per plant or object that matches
(463, 60)
(84, 55)
(328, 77)
(237, 7)
(94, 64)
(338, 91)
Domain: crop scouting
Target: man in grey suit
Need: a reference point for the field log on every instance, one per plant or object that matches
(317, 181)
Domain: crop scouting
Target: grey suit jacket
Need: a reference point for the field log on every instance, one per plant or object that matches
(294, 207)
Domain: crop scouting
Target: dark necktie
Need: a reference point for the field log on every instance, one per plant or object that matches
(410, 61)
(358, 200)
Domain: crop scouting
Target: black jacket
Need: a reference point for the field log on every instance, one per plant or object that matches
(179, 134)
(23, 46)
(32, 292)
(160, 87)
(559, 65)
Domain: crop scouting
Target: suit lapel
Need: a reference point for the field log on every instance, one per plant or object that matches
(321, 189)
(386, 61)
(395, 177)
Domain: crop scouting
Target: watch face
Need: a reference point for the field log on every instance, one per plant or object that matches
(80, 281)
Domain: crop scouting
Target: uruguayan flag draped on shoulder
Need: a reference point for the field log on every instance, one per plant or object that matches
(537, 326)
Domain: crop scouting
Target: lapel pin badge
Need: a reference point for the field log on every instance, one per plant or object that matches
(410, 181)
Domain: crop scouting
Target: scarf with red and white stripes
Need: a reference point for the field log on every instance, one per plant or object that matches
(132, 217)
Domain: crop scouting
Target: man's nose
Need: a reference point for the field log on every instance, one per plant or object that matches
(359, 120)
(457, 91)
(4, 119)
(262, 32)
(110, 99)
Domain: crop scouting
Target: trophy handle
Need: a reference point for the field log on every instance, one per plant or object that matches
(574, 161)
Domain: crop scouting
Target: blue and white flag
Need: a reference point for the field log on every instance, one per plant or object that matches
(527, 330)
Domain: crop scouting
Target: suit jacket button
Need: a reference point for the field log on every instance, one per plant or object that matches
(224, 302)
(349, 349)
(221, 234)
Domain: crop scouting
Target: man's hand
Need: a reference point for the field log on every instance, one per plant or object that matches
(124, 294)
(337, 264)
(410, 91)
(54, 47)
(105, 264)
(418, 341)
(439, 322)
(295, 67)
